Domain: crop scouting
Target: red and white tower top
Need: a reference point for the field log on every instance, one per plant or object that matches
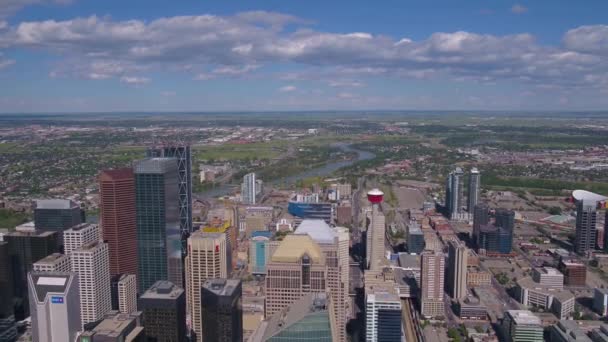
(375, 196)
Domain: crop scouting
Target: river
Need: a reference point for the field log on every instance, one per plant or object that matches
(325, 170)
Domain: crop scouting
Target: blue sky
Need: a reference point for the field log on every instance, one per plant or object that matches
(196, 55)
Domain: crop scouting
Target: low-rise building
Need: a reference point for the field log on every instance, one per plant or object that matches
(477, 277)
(522, 326)
(560, 302)
(548, 276)
(567, 331)
(575, 273)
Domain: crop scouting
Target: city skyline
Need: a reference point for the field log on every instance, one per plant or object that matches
(77, 56)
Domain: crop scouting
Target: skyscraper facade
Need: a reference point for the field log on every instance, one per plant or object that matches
(79, 236)
(8, 328)
(55, 262)
(127, 293)
(586, 220)
(505, 218)
(222, 310)
(159, 246)
(474, 185)
(248, 189)
(297, 267)
(57, 214)
(55, 306)
(25, 248)
(334, 245)
(432, 280)
(454, 194)
(91, 263)
(383, 317)
(375, 242)
(457, 270)
(164, 312)
(207, 258)
(118, 219)
(181, 153)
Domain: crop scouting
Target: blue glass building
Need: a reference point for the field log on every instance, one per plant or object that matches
(319, 211)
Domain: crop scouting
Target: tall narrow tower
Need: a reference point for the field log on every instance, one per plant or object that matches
(474, 184)
(586, 219)
(375, 232)
(457, 270)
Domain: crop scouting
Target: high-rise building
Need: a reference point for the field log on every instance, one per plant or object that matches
(314, 211)
(55, 262)
(57, 215)
(494, 239)
(25, 248)
(457, 270)
(307, 319)
(481, 217)
(474, 185)
(8, 328)
(415, 238)
(297, 267)
(260, 251)
(55, 306)
(586, 220)
(222, 310)
(116, 327)
(207, 258)
(159, 245)
(334, 245)
(522, 326)
(91, 263)
(79, 236)
(505, 218)
(248, 189)
(375, 237)
(118, 219)
(126, 288)
(432, 283)
(163, 307)
(383, 317)
(454, 193)
(575, 273)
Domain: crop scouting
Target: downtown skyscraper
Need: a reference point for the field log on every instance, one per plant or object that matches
(586, 220)
(432, 278)
(248, 189)
(118, 219)
(221, 302)
(473, 193)
(457, 270)
(159, 246)
(454, 194)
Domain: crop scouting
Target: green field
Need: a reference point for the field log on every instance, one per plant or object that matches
(10, 219)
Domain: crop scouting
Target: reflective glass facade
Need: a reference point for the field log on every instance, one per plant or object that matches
(313, 327)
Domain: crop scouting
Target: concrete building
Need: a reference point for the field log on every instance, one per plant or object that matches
(383, 317)
(471, 308)
(376, 233)
(600, 335)
(127, 293)
(432, 272)
(477, 277)
(207, 258)
(344, 213)
(159, 245)
(334, 243)
(474, 186)
(307, 319)
(118, 219)
(248, 189)
(79, 236)
(91, 263)
(522, 326)
(8, 328)
(55, 262)
(221, 302)
(296, 268)
(560, 302)
(600, 301)
(457, 270)
(163, 307)
(567, 331)
(586, 220)
(54, 306)
(549, 277)
(116, 327)
(575, 273)
(24, 249)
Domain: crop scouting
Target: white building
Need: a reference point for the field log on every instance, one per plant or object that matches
(80, 235)
(559, 301)
(127, 293)
(382, 316)
(248, 189)
(548, 276)
(55, 262)
(54, 306)
(92, 264)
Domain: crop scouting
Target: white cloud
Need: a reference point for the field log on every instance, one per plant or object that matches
(519, 9)
(134, 80)
(345, 96)
(345, 83)
(9, 7)
(288, 89)
(235, 46)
